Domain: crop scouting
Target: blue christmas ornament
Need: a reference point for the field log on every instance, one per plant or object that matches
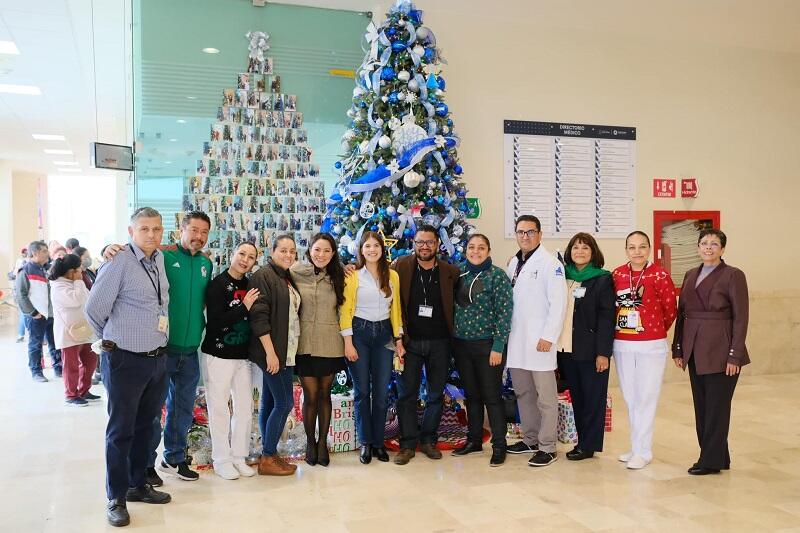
(408, 233)
(442, 84)
(429, 202)
(388, 74)
(449, 122)
(430, 55)
(398, 46)
(431, 84)
(393, 97)
(462, 193)
(415, 15)
(441, 109)
(391, 31)
(355, 204)
(337, 165)
(382, 212)
(457, 256)
(363, 105)
(374, 227)
(447, 178)
(458, 170)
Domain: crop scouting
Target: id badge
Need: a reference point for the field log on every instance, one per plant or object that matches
(163, 323)
(633, 319)
(579, 292)
(426, 311)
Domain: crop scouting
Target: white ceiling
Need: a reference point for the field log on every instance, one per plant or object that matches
(63, 42)
(56, 40)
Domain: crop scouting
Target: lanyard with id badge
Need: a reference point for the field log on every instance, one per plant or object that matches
(425, 310)
(163, 320)
(633, 314)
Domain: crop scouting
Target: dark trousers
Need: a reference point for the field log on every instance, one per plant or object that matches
(41, 328)
(588, 389)
(183, 374)
(434, 356)
(482, 384)
(136, 387)
(372, 373)
(712, 395)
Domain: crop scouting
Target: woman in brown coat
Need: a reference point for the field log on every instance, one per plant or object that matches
(321, 348)
(709, 341)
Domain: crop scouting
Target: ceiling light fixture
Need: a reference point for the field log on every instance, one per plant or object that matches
(173, 140)
(66, 163)
(210, 50)
(180, 121)
(58, 152)
(45, 137)
(9, 47)
(31, 90)
(191, 98)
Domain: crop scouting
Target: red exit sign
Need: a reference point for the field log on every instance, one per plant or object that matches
(664, 187)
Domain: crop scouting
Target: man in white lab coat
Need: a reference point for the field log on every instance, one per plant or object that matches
(540, 301)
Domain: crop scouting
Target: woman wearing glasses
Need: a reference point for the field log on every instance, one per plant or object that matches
(709, 341)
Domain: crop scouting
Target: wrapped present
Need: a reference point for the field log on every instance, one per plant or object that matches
(297, 393)
(342, 434)
(609, 425)
(513, 431)
(567, 432)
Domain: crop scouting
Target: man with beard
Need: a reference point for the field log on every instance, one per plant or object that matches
(426, 295)
(188, 271)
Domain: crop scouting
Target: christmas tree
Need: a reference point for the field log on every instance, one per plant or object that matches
(400, 165)
(256, 179)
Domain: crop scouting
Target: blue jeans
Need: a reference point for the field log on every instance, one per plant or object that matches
(135, 385)
(372, 373)
(276, 404)
(22, 325)
(183, 374)
(39, 329)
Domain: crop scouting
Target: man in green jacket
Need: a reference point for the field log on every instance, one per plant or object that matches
(188, 271)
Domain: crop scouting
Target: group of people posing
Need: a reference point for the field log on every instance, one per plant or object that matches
(315, 317)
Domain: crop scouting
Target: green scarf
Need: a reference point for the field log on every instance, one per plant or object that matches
(589, 271)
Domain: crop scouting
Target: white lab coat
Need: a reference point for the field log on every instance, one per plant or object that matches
(540, 303)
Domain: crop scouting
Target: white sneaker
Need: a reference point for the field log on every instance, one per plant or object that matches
(637, 462)
(245, 469)
(625, 457)
(226, 471)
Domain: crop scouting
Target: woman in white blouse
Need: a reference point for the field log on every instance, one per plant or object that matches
(370, 319)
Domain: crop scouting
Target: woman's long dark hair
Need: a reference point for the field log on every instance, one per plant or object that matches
(62, 265)
(334, 269)
(383, 264)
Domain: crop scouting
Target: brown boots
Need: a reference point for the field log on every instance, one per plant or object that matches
(272, 465)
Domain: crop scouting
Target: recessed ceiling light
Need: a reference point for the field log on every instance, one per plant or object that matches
(20, 89)
(69, 170)
(191, 98)
(167, 162)
(173, 140)
(180, 121)
(66, 163)
(8, 47)
(58, 152)
(45, 137)
(210, 50)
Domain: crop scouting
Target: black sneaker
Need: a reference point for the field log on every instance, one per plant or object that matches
(117, 513)
(152, 477)
(76, 402)
(147, 494)
(498, 458)
(521, 447)
(90, 397)
(541, 458)
(180, 470)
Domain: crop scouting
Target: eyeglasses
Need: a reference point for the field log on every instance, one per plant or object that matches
(530, 233)
(429, 244)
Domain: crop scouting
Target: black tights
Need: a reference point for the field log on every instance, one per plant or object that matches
(317, 406)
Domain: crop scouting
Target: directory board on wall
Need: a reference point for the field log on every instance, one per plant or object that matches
(573, 177)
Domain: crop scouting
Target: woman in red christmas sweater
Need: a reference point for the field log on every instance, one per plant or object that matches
(646, 308)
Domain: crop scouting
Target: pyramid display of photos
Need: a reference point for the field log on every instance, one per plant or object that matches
(256, 179)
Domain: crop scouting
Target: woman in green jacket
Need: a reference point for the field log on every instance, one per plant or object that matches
(484, 303)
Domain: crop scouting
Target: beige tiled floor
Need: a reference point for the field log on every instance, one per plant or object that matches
(52, 473)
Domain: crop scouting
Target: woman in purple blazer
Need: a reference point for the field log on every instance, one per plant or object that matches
(709, 340)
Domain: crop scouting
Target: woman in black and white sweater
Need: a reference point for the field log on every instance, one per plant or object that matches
(228, 367)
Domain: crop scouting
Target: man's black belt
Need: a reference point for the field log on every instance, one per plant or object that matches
(110, 346)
